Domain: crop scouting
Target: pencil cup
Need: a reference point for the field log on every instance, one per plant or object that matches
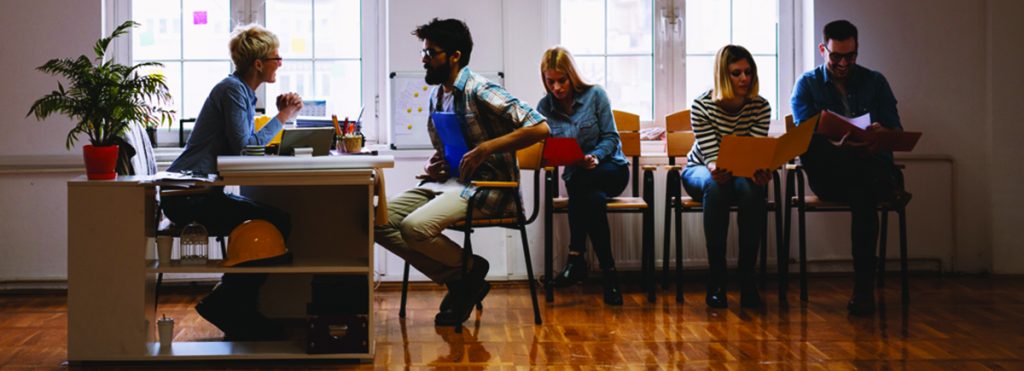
(163, 249)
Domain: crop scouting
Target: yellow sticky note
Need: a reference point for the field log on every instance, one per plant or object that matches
(419, 109)
(416, 95)
(424, 88)
(408, 110)
(298, 45)
(409, 127)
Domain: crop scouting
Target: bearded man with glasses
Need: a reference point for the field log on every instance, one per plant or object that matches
(851, 172)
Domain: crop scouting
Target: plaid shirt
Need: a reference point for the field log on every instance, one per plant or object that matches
(486, 111)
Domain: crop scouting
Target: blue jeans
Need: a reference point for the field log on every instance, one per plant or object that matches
(717, 199)
(589, 191)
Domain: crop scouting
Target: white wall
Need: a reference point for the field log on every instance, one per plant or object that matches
(1006, 78)
(936, 58)
(33, 219)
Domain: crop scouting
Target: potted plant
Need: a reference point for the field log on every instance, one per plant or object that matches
(104, 99)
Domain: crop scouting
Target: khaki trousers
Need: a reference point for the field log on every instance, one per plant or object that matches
(416, 219)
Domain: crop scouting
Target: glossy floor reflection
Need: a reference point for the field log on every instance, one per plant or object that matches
(952, 323)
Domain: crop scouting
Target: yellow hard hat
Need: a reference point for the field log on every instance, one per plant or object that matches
(254, 240)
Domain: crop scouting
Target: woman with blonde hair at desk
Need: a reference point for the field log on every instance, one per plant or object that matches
(577, 109)
(224, 126)
(732, 107)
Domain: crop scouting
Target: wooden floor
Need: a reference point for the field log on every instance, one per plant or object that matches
(972, 323)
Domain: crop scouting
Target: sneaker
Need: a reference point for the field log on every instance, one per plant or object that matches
(462, 304)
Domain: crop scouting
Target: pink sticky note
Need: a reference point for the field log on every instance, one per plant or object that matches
(199, 17)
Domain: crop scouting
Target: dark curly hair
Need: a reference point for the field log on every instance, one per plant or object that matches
(450, 35)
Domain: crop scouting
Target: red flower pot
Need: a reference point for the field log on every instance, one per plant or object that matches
(100, 162)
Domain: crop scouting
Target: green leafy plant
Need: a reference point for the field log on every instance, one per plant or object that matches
(104, 98)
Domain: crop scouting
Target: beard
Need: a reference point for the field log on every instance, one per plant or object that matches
(439, 75)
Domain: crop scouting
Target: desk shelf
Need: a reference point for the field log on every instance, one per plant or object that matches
(227, 350)
(343, 265)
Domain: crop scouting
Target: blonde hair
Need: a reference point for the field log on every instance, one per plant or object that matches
(250, 43)
(559, 59)
(727, 55)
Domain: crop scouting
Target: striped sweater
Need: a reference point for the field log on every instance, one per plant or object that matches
(711, 122)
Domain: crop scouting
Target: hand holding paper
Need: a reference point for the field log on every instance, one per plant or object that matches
(744, 156)
(562, 152)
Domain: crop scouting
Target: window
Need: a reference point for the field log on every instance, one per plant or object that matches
(323, 43)
(612, 41)
(656, 56)
(322, 57)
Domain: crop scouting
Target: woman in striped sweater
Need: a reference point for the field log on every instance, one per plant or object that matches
(733, 107)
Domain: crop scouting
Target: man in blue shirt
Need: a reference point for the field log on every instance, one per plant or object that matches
(225, 125)
(849, 171)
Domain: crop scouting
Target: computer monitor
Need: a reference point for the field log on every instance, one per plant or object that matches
(317, 138)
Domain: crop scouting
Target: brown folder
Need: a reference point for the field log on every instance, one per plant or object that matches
(744, 155)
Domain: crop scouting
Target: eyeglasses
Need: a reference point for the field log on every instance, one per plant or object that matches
(431, 53)
(836, 57)
(275, 59)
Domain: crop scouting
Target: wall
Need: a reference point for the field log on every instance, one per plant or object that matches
(1006, 78)
(33, 219)
(934, 57)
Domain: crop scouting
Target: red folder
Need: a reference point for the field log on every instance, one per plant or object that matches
(561, 152)
(836, 127)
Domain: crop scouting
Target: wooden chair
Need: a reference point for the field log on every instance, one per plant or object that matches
(528, 158)
(805, 203)
(628, 125)
(680, 138)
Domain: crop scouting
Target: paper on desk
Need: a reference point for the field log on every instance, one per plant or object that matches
(744, 155)
(450, 131)
(561, 152)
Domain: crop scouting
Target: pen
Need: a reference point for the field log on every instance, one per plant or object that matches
(337, 129)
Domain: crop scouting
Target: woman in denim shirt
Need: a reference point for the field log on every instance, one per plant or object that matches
(576, 109)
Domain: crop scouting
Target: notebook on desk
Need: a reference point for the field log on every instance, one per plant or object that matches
(318, 138)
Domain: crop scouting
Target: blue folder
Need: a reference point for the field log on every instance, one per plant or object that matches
(449, 129)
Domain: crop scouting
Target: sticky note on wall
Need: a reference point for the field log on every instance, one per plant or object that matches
(199, 17)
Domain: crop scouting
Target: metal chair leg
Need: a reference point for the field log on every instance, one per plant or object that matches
(405, 290)
(802, 226)
(529, 274)
(903, 255)
(679, 252)
(883, 239)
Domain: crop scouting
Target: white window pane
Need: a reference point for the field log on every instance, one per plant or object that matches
(199, 79)
(629, 85)
(700, 76)
(583, 25)
(592, 69)
(629, 26)
(337, 29)
(290, 21)
(172, 77)
(339, 82)
(768, 81)
(754, 25)
(293, 76)
(159, 35)
(707, 26)
(206, 28)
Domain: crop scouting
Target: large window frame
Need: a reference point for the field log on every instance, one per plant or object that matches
(670, 51)
(254, 11)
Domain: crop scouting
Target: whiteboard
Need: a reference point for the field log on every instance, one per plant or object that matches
(410, 100)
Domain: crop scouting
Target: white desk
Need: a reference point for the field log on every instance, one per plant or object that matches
(111, 315)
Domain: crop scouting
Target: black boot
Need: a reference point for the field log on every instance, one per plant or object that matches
(862, 302)
(575, 271)
(612, 294)
(749, 297)
(716, 297)
(465, 294)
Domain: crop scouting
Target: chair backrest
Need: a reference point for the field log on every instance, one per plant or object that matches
(628, 125)
(789, 123)
(529, 158)
(679, 135)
